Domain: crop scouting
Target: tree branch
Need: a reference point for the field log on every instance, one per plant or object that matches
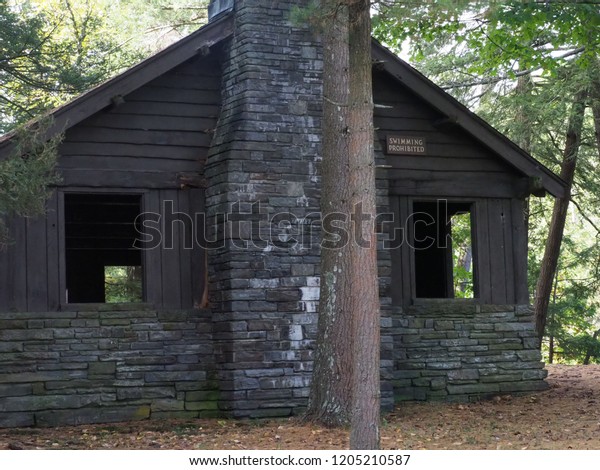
(586, 217)
(493, 80)
(17, 105)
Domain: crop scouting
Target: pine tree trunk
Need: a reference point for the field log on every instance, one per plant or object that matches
(559, 215)
(345, 384)
(523, 118)
(330, 399)
(364, 430)
(552, 321)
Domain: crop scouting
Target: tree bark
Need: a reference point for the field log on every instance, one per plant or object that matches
(330, 400)
(523, 118)
(551, 340)
(345, 384)
(364, 425)
(559, 214)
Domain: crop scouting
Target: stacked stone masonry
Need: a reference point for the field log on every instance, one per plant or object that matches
(262, 169)
(458, 351)
(107, 365)
(102, 365)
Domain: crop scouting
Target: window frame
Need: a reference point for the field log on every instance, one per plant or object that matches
(473, 202)
(64, 305)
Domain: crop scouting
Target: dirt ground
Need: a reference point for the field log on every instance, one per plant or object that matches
(567, 416)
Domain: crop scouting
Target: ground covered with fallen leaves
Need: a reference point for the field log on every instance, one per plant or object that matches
(567, 416)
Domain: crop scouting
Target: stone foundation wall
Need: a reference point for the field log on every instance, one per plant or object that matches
(105, 366)
(459, 351)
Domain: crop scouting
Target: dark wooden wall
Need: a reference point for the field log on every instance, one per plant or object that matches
(458, 168)
(455, 164)
(176, 272)
(153, 143)
(157, 138)
(29, 267)
(159, 134)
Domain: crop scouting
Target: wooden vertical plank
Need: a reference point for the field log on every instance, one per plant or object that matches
(509, 265)
(408, 259)
(53, 253)
(449, 253)
(198, 258)
(482, 248)
(37, 265)
(186, 248)
(62, 251)
(519, 251)
(152, 256)
(17, 260)
(397, 289)
(496, 221)
(171, 274)
(5, 267)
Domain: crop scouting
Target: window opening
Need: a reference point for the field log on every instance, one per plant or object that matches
(462, 255)
(443, 250)
(102, 264)
(122, 284)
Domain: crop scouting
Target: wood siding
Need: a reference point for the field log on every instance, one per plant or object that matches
(29, 278)
(151, 143)
(499, 246)
(32, 278)
(175, 272)
(157, 137)
(458, 168)
(455, 164)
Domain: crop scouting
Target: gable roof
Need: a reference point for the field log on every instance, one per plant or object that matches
(466, 119)
(101, 96)
(97, 98)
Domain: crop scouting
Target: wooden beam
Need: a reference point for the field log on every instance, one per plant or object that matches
(536, 186)
(456, 184)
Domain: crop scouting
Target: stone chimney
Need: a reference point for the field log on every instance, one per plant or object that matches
(261, 169)
(217, 8)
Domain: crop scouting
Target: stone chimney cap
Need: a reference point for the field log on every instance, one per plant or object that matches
(217, 8)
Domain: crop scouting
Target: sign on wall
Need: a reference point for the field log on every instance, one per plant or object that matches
(405, 145)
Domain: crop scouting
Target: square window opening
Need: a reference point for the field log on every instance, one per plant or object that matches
(443, 250)
(102, 263)
(122, 284)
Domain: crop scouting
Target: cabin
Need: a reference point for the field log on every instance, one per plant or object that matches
(176, 270)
